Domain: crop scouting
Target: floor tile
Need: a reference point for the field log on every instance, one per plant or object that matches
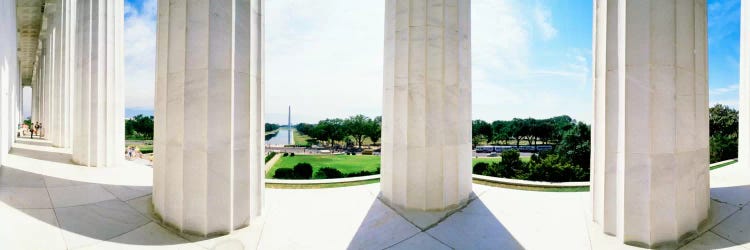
(84, 225)
(20, 197)
(78, 195)
(420, 241)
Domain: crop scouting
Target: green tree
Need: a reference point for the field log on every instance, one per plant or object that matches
(481, 129)
(501, 131)
(508, 167)
(141, 126)
(553, 168)
(723, 126)
(374, 130)
(271, 127)
(575, 146)
(330, 130)
(358, 127)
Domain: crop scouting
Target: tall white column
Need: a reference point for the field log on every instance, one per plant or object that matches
(9, 76)
(67, 64)
(744, 127)
(209, 129)
(99, 134)
(426, 163)
(650, 141)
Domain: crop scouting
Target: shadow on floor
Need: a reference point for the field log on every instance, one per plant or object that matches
(35, 142)
(735, 195)
(43, 155)
(471, 227)
(85, 212)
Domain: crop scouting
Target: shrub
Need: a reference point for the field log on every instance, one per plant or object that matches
(363, 173)
(291, 154)
(480, 167)
(575, 146)
(285, 154)
(554, 168)
(270, 156)
(723, 147)
(303, 170)
(328, 173)
(284, 173)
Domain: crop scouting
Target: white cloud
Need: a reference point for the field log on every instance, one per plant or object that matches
(325, 58)
(542, 17)
(507, 82)
(140, 55)
(724, 90)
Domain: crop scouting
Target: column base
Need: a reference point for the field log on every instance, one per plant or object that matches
(425, 219)
(681, 241)
(191, 234)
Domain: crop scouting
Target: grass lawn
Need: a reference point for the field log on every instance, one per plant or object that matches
(491, 160)
(344, 163)
(348, 163)
(300, 139)
(723, 165)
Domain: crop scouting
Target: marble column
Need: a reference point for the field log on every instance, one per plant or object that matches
(744, 126)
(650, 181)
(99, 134)
(68, 67)
(209, 129)
(426, 160)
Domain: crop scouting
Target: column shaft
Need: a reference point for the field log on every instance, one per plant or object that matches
(650, 176)
(99, 134)
(209, 115)
(744, 126)
(426, 163)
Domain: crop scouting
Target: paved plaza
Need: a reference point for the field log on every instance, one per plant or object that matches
(50, 203)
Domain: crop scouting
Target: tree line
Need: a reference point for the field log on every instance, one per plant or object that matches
(350, 130)
(518, 130)
(723, 123)
(140, 127)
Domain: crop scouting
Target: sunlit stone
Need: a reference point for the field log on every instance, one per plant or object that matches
(209, 129)
(426, 159)
(650, 183)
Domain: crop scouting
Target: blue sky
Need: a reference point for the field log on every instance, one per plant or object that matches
(530, 58)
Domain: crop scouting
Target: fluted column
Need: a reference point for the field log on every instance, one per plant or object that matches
(68, 70)
(426, 162)
(650, 141)
(744, 126)
(209, 129)
(99, 134)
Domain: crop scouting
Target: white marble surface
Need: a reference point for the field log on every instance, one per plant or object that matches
(208, 145)
(99, 131)
(744, 101)
(650, 142)
(335, 218)
(426, 105)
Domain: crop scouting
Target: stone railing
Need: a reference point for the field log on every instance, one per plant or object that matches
(506, 181)
(323, 181)
(541, 184)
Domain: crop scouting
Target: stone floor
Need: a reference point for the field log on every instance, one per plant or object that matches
(46, 202)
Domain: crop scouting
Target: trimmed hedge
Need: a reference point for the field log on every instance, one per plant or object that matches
(303, 170)
(270, 156)
(328, 173)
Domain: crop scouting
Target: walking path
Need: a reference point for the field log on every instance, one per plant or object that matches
(46, 202)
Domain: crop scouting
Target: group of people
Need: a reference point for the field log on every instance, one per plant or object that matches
(34, 129)
(133, 152)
